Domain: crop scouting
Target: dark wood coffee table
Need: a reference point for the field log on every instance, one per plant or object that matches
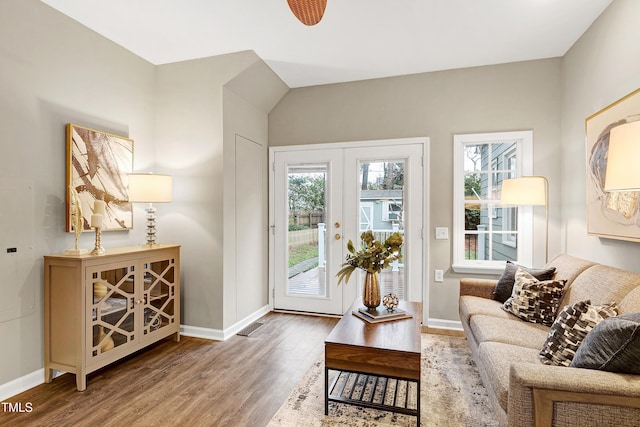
(385, 351)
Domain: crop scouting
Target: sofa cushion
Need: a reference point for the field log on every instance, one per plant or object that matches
(613, 345)
(496, 358)
(509, 331)
(533, 300)
(470, 306)
(569, 329)
(504, 287)
(601, 284)
(630, 303)
(568, 267)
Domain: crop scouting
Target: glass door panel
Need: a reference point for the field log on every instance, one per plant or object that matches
(158, 295)
(112, 300)
(384, 192)
(306, 234)
(381, 185)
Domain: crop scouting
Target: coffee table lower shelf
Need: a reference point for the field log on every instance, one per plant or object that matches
(372, 391)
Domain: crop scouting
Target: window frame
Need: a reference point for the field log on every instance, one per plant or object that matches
(524, 167)
(509, 239)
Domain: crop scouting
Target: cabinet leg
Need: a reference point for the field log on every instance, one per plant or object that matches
(48, 375)
(176, 337)
(81, 382)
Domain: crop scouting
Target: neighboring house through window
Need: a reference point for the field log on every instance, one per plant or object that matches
(487, 234)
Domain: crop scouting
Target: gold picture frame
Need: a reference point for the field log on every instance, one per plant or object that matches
(614, 215)
(98, 165)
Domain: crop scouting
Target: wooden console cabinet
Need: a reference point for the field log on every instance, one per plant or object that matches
(98, 309)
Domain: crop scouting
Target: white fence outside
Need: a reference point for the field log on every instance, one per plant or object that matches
(303, 237)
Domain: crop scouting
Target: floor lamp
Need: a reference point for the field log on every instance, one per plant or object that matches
(622, 172)
(528, 191)
(150, 188)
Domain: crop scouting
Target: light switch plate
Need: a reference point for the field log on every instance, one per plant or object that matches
(442, 233)
(438, 276)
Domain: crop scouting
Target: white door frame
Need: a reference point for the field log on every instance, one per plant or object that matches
(350, 291)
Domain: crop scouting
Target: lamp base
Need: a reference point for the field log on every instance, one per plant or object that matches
(151, 225)
(98, 251)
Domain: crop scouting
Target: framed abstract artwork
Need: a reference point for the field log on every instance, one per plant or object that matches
(614, 215)
(98, 165)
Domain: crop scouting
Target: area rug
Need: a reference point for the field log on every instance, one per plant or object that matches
(452, 394)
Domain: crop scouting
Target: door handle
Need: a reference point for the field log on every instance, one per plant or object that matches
(338, 236)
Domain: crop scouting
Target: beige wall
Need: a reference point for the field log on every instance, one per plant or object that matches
(183, 121)
(247, 99)
(602, 67)
(189, 140)
(52, 72)
(524, 95)
(201, 106)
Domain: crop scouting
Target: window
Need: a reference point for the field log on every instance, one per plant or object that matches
(391, 211)
(487, 234)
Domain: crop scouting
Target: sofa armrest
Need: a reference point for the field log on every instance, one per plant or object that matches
(477, 287)
(534, 390)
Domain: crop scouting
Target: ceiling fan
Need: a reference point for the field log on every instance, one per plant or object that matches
(309, 12)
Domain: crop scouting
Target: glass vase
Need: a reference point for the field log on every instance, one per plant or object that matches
(371, 291)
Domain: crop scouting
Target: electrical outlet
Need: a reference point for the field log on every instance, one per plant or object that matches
(438, 276)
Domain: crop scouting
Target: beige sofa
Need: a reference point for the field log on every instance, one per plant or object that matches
(526, 392)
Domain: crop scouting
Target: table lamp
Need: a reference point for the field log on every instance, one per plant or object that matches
(150, 188)
(528, 191)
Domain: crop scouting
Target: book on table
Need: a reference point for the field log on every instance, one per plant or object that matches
(380, 314)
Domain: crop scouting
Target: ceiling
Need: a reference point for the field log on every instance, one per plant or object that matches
(356, 39)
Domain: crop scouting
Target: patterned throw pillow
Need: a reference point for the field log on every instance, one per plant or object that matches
(533, 300)
(504, 286)
(573, 323)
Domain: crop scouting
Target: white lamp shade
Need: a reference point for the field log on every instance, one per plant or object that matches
(150, 188)
(623, 172)
(527, 190)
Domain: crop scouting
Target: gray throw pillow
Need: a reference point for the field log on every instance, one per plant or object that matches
(613, 345)
(504, 287)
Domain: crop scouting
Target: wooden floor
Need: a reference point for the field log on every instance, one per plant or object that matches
(196, 382)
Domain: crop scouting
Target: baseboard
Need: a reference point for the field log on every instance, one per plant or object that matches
(24, 383)
(199, 332)
(223, 335)
(453, 325)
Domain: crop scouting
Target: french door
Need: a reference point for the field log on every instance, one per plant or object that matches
(322, 197)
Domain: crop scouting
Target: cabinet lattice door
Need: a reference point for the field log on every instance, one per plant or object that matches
(159, 295)
(112, 297)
